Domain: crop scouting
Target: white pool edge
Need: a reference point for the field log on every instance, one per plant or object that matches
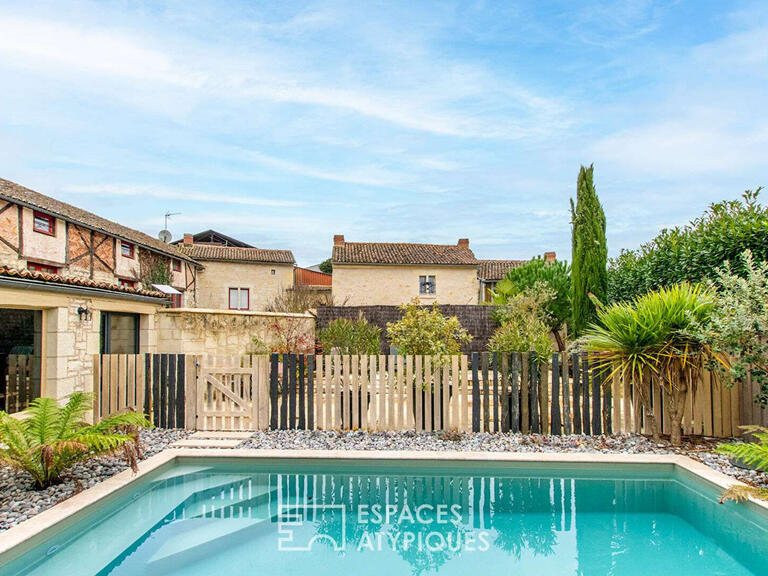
(20, 538)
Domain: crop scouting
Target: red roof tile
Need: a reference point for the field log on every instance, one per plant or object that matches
(74, 281)
(402, 253)
(217, 252)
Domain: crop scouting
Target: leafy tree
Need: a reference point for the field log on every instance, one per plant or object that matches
(524, 323)
(693, 252)
(326, 266)
(47, 439)
(350, 336)
(589, 277)
(738, 326)
(556, 276)
(426, 331)
(652, 336)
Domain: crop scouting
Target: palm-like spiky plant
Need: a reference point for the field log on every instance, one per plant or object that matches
(649, 338)
(46, 439)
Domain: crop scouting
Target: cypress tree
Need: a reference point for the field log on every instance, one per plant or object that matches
(589, 274)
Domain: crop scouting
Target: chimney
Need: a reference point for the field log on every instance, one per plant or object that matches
(550, 257)
(189, 239)
(338, 239)
(463, 243)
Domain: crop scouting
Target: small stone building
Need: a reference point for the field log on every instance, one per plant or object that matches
(380, 273)
(238, 277)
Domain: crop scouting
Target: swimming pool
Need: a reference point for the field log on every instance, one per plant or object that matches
(198, 516)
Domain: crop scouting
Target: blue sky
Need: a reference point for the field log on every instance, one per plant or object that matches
(283, 123)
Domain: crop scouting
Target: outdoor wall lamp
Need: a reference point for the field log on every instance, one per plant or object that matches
(84, 313)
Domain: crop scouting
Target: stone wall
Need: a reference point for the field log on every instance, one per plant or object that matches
(224, 332)
(264, 282)
(475, 319)
(358, 285)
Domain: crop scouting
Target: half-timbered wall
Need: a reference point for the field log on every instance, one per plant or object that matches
(75, 250)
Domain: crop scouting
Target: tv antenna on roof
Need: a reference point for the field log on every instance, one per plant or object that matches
(165, 235)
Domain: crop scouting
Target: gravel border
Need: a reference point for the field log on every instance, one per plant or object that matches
(18, 501)
(702, 449)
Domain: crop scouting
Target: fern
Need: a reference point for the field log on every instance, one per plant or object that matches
(46, 439)
(753, 454)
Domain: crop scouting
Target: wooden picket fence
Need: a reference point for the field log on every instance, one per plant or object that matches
(231, 393)
(481, 392)
(22, 381)
(154, 384)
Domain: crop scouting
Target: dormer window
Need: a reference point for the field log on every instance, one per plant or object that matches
(44, 223)
(126, 249)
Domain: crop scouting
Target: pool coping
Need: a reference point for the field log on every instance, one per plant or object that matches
(22, 537)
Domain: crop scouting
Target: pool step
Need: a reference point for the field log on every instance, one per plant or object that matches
(198, 538)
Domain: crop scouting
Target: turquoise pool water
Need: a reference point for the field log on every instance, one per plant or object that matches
(321, 518)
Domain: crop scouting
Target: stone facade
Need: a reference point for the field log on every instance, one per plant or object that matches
(393, 285)
(264, 282)
(225, 332)
(476, 319)
(70, 341)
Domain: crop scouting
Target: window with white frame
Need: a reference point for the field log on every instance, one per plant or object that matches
(239, 299)
(427, 285)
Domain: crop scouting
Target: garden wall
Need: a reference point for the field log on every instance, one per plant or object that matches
(476, 319)
(224, 332)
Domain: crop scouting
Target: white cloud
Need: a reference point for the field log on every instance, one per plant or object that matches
(143, 190)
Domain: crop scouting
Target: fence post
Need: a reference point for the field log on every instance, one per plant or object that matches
(96, 387)
(597, 411)
(533, 394)
(586, 422)
(576, 393)
(311, 392)
(190, 396)
(475, 395)
(273, 367)
(514, 399)
(555, 421)
(566, 394)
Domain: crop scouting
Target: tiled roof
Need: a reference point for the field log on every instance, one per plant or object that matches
(210, 252)
(495, 270)
(402, 253)
(75, 281)
(17, 193)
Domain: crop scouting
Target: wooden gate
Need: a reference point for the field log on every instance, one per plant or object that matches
(233, 393)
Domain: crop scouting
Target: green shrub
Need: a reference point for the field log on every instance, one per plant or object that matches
(426, 331)
(556, 276)
(738, 325)
(753, 454)
(694, 252)
(350, 337)
(46, 439)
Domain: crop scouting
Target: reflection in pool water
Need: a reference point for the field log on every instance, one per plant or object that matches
(321, 519)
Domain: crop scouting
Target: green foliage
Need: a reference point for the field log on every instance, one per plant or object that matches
(326, 266)
(738, 326)
(693, 252)
(350, 337)
(426, 331)
(652, 335)
(752, 454)
(524, 323)
(554, 275)
(46, 439)
(156, 271)
(589, 277)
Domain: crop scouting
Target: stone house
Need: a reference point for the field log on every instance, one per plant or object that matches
(238, 277)
(390, 274)
(379, 273)
(73, 284)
